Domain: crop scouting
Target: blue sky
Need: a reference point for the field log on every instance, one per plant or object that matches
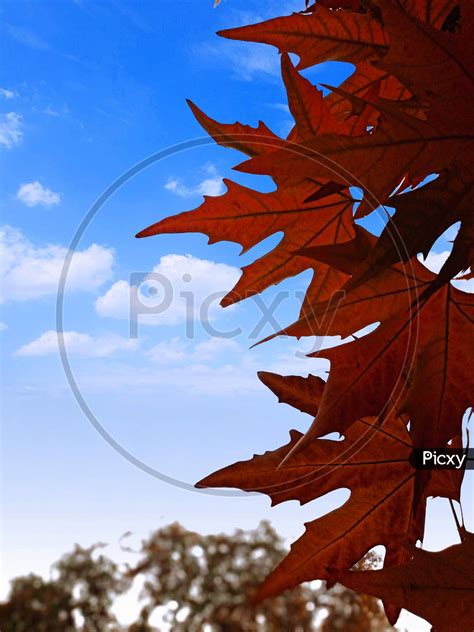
(88, 89)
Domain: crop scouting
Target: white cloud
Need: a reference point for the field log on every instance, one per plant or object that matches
(179, 288)
(3, 326)
(78, 344)
(7, 94)
(189, 379)
(465, 285)
(214, 347)
(178, 350)
(116, 302)
(435, 260)
(439, 254)
(29, 272)
(51, 111)
(283, 107)
(181, 369)
(211, 185)
(10, 129)
(169, 351)
(34, 194)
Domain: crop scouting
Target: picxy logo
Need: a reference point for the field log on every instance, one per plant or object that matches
(444, 459)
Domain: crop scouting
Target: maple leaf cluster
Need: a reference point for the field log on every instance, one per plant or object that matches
(403, 115)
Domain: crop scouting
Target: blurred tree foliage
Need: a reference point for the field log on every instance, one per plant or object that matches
(198, 583)
(78, 596)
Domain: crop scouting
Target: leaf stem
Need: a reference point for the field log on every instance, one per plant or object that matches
(459, 526)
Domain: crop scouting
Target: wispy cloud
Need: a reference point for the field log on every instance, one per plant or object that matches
(169, 352)
(7, 94)
(177, 350)
(27, 37)
(215, 347)
(215, 367)
(11, 131)
(35, 194)
(131, 11)
(223, 380)
(77, 344)
(246, 60)
(283, 107)
(211, 185)
(50, 111)
(435, 261)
